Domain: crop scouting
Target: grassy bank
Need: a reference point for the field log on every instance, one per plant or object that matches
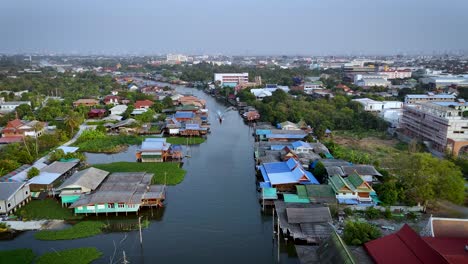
(23, 255)
(80, 230)
(45, 209)
(70, 256)
(185, 140)
(175, 174)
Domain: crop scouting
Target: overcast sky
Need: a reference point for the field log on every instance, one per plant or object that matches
(244, 27)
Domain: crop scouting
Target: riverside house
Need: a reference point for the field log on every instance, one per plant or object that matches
(121, 192)
(284, 176)
(13, 195)
(351, 190)
(82, 182)
(153, 150)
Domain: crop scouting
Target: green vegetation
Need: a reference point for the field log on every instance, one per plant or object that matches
(183, 140)
(175, 174)
(358, 233)
(45, 209)
(59, 154)
(80, 230)
(338, 113)
(98, 141)
(33, 172)
(70, 256)
(23, 256)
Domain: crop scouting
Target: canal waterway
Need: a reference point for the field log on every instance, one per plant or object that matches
(212, 216)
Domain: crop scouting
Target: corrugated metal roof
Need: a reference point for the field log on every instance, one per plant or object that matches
(89, 178)
(308, 215)
(7, 189)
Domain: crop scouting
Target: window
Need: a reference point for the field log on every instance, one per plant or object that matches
(27, 192)
(111, 205)
(90, 207)
(121, 205)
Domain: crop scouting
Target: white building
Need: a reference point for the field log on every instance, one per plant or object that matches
(445, 80)
(311, 87)
(231, 79)
(7, 107)
(13, 195)
(176, 58)
(378, 106)
(260, 93)
(369, 80)
(396, 74)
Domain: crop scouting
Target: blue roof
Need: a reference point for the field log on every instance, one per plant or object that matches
(264, 185)
(277, 147)
(301, 143)
(291, 136)
(286, 172)
(176, 147)
(262, 132)
(181, 114)
(347, 201)
(192, 126)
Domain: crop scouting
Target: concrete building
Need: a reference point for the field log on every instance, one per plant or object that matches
(443, 80)
(369, 80)
(231, 79)
(7, 107)
(396, 74)
(378, 106)
(429, 97)
(311, 87)
(176, 58)
(441, 127)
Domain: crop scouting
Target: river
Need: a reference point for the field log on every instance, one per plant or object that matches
(212, 216)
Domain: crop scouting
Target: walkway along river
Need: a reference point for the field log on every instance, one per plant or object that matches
(212, 216)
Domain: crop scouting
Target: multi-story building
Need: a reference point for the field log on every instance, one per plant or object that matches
(378, 106)
(440, 125)
(429, 97)
(369, 80)
(176, 58)
(231, 79)
(443, 80)
(311, 87)
(396, 74)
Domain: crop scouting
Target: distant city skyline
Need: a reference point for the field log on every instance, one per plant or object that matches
(242, 27)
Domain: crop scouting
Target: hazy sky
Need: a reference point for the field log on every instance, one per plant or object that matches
(309, 27)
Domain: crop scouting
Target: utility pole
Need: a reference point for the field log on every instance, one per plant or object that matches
(125, 261)
(139, 225)
(165, 178)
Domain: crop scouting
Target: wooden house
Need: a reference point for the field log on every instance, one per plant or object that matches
(287, 153)
(121, 193)
(351, 190)
(13, 195)
(96, 113)
(284, 176)
(80, 183)
(153, 150)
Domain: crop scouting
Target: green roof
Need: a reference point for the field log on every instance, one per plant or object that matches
(337, 183)
(355, 180)
(269, 193)
(301, 191)
(328, 156)
(334, 250)
(320, 190)
(293, 198)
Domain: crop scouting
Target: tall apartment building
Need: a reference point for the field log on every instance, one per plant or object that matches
(396, 74)
(231, 79)
(176, 58)
(440, 123)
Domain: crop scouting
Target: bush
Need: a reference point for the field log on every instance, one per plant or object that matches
(387, 214)
(33, 172)
(358, 233)
(372, 213)
(348, 211)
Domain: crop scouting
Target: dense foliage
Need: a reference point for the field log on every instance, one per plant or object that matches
(99, 141)
(333, 113)
(358, 233)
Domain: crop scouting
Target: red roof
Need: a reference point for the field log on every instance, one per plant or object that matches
(453, 249)
(11, 139)
(404, 246)
(97, 111)
(143, 103)
(14, 123)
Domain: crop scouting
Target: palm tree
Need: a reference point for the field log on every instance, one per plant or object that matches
(73, 121)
